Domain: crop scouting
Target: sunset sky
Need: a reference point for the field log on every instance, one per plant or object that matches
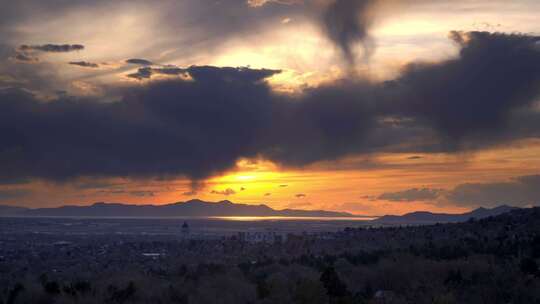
(371, 107)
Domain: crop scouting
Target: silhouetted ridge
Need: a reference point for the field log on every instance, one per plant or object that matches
(193, 207)
(425, 217)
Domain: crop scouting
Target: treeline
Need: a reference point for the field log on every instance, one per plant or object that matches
(392, 278)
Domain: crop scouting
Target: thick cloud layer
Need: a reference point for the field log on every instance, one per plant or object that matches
(200, 125)
(473, 95)
(193, 128)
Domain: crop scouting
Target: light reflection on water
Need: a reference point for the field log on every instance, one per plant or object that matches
(289, 218)
(200, 227)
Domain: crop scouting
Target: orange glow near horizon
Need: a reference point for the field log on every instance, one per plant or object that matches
(348, 185)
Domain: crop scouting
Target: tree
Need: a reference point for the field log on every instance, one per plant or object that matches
(13, 293)
(122, 295)
(52, 287)
(529, 266)
(309, 291)
(335, 288)
(262, 288)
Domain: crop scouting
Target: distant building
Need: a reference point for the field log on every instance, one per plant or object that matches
(62, 243)
(185, 230)
(268, 237)
(152, 255)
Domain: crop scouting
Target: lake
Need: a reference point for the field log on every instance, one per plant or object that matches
(198, 226)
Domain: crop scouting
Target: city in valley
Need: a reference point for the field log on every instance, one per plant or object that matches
(211, 260)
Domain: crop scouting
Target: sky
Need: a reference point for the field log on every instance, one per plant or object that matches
(367, 106)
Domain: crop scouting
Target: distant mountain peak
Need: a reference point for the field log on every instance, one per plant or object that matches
(505, 207)
(194, 207)
(425, 217)
(192, 201)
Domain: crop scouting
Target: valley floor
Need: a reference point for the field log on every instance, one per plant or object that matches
(493, 260)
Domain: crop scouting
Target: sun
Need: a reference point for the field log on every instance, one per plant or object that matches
(248, 178)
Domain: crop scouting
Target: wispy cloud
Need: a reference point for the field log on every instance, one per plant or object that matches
(52, 48)
(226, 192)
(84, 64)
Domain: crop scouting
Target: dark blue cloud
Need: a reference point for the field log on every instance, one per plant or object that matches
(346, 23)
(202, 124)
(192, 128)
(474, 94)
(139, 61)
(84, 64)
(51, 48)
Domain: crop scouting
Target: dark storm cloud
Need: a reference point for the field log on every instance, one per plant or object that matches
(202, 125)
(323, 124)
(52, 48)
(411, 195)
(521, 191)
(168, 128)
(84, 64)
(347, 23)
(475, 94)
(139, 61)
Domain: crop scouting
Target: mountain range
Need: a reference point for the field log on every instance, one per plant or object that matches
(424, 217)
(190, 208)
(226, 208)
